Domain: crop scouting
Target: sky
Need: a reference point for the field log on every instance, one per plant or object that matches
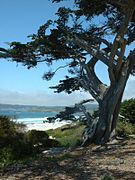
(18, 85)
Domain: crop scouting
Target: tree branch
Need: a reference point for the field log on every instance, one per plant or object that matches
(119, 42)
(84, 84)
(86, 101)
(89, 48)
(91, 81)
(61, 67)
(83, 109)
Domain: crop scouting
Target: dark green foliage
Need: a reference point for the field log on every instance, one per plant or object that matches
(40, 140)
(128, 110)
(6, 125)
(68, 135)
(6, 157)
(49, 46)
(126, 123)
(13, 140)
(55, 40)
(68, 113)
(15, 145)
(7, 131)
(37, 137)
(68, 85)
(79, 38)
(21, 147)
(124, 129)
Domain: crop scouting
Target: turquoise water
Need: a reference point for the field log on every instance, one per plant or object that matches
(28, 117)
(30, 114)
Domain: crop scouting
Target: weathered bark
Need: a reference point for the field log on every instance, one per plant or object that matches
(101, 130)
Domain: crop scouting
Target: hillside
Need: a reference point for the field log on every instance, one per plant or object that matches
(12, 107)
(28, 108)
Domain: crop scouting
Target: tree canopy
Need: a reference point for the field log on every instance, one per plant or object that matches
(81, 36)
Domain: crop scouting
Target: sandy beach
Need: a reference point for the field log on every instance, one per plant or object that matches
(46, 125)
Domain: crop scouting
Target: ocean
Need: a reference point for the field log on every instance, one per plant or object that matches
(32, 114)
(28, 114)
(25, 114)
(28, 117)
(34, 117)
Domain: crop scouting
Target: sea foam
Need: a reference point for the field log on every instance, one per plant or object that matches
(41, 124)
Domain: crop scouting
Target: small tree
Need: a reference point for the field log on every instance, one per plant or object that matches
(90, 32)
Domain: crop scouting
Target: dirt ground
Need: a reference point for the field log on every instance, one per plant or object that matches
(117, 161)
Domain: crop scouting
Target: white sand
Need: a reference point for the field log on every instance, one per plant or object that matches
(46, 125)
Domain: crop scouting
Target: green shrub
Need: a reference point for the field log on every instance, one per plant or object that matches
(16, 145)
(21, 147)
(40, 140)
(128, 110)
(6, 157)
(125, 128)
(12, 142)
(68, 136)
(7, 131)
(37, 137)
(7, 126)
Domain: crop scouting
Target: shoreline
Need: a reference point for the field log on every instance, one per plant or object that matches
(45, 126)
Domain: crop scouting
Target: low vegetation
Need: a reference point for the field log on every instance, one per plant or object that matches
(17, 144)
(126, 122)
(69, 135)
(127, 110)
(125, 129)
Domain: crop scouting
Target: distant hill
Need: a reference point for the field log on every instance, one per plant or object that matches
(28, 108)
(11, 107)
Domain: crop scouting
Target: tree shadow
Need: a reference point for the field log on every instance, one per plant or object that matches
(77, 164)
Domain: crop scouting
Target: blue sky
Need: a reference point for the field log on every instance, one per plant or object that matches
(18, 85)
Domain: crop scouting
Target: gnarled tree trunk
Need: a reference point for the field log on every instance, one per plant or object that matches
(109, 99)
(101, 130)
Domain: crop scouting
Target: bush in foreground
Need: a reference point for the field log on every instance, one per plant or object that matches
(37, 137)
(7, 131)
(40, 140)
(13, 144)
(17, 145)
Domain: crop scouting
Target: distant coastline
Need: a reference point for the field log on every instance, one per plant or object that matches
(15, 107)
(35, 116)
(34, 108)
